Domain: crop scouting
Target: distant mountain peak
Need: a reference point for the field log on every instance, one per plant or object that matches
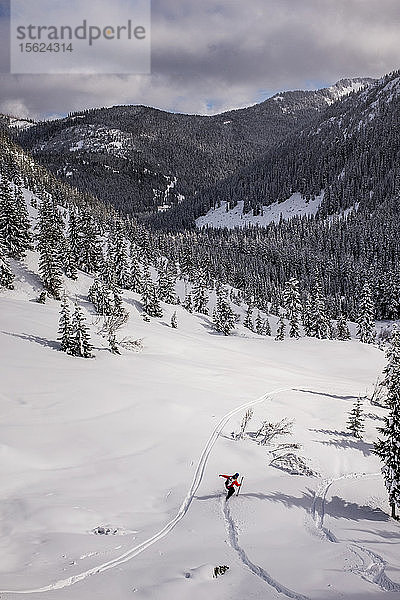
(345, 86)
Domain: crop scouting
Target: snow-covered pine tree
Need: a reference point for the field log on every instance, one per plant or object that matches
(65, 327)
(14, 222)
(200, 295)
(23, 222)
(147, 286)
(392, 356)
(266, 327)
(223, 316)
(80, 345)
(365, 319)
(50, 241)
(74, 236)
(153, 307)
(388, 447)
(118, 257)
(136, 274)
(292, 305)
(342, 329)
(280, 331)
(174, 321)
(6, 275)
(259, 324)
(319, 319)
(355, 423)
(187, 303)
(248, 320)
(90, 255)
(274, 307)
(307, 317)
(166, 282)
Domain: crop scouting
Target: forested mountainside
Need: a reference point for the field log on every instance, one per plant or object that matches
(351, 152)
(141, 159)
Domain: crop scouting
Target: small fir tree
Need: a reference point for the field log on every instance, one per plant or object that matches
(248, 321)
(65, 327)
(280, 332)
(80, 345)
(174, 321)
(355, 423)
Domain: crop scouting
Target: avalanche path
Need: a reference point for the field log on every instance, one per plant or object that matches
(197, 479)
(373, 566)
(256, 569)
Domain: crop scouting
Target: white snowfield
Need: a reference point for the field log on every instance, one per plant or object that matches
(295, 206)
(136, 443)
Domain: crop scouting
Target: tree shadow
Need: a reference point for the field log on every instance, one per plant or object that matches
(326, 394)
(336, 507)
(332, 432)
(35, 338)
(359, 445)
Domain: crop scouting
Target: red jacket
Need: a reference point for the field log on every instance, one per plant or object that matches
(234, 482)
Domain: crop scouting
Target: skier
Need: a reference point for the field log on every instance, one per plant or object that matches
(230, 482)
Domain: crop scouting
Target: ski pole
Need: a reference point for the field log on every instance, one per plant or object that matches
(241, 481)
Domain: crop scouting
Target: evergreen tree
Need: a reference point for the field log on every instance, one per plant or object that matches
(187, 303)
(365, 319)
(223, 315)
(388, 447)
(248, 321)
(166, 282)
(118, 257)
(153, 307)
(266, 327)
(307, 317)
(342, 329)
(136, 274)
(80, 345)
(280, 331)
(6, 275)
(259, 325)
(65, 327)
(319, 320)
(274, 308)
(200, 294)
(174, 321)
(355, 424)
(50, 241)
(292, 305)
(14, 222)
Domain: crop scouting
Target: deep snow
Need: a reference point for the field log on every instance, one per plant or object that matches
(123, 441)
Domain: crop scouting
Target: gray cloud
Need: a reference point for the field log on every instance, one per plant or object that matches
(209, 56)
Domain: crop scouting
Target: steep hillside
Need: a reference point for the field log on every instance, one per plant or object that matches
(352, 153)
(142, 160)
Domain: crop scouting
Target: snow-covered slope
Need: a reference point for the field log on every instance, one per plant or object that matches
(295, 206)
(136, 442)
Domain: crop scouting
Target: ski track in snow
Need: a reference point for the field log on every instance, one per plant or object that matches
(256, 569)
(373, 565)
(197, 479)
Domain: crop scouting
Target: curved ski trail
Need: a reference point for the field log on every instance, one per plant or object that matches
(132, 552)
(256, 569)
(373, 565)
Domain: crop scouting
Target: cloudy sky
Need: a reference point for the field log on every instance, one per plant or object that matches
(209, 56)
